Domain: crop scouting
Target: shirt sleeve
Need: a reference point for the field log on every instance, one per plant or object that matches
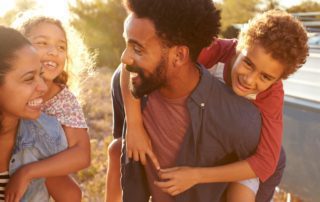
(117, 105)
(72, 114)
(220, 50)
(270, 104)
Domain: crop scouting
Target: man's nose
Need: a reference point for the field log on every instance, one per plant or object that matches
(126, 57)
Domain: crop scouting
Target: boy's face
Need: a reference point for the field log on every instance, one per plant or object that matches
(255, 71)
(145, 56)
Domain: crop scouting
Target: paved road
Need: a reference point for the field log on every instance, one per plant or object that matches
(302, 145)
(306, 82)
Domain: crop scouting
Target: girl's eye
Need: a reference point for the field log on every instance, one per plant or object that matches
(62, 48)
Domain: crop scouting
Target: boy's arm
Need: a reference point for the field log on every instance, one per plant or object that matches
(270, 103)
(138, 144)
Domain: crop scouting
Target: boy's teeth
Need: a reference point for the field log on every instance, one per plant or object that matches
(35, 102)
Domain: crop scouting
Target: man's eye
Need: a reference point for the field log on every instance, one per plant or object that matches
(137, 50)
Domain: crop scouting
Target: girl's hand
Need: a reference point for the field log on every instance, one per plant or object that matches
(138, 146)
(177, 180)
(17, 185)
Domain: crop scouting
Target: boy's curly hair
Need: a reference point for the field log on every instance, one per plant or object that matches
(281, 35)
(180, 22)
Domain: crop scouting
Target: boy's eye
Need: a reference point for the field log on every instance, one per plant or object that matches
(265, 78)
(247, 64)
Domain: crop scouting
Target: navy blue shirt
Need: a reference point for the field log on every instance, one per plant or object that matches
(224, 128)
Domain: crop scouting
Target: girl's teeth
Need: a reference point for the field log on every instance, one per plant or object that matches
(50, 63)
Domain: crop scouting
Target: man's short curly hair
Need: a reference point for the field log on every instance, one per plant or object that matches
(281, 35)
(180, 22)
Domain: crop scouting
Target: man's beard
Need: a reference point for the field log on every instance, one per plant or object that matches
(148, 83)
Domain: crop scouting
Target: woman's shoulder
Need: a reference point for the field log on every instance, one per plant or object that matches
(45, 134)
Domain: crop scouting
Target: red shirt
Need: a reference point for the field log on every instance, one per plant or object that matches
(270, 104)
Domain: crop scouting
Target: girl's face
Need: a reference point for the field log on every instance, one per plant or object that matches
(254, 71)
(23, 86)
(51, 44)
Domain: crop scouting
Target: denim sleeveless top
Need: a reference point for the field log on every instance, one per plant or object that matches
(37, 140)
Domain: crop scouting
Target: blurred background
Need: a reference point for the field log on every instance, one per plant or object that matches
(100, 22)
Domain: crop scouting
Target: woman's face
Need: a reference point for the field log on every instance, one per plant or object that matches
(51, 44)
(23, 86)
(254, 71)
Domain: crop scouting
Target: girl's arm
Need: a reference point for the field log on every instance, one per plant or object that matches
(75, 158)
(138, 144)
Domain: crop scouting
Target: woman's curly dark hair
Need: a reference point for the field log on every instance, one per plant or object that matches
(192, 23)
(281, 35)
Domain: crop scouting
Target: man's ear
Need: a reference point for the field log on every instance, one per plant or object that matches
(181, 55)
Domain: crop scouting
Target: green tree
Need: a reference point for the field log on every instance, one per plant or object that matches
(20, 6)
(237, 12)
(101, 23)
(305, 6)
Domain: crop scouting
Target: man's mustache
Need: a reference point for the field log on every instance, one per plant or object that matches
(134, 69)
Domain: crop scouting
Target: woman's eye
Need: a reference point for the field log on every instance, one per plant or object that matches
(41, 43)
(29, 79)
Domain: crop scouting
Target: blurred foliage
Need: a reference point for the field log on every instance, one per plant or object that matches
(101, 23)
(98, 112)
(237, 12)
(305, 6)
(20, 6)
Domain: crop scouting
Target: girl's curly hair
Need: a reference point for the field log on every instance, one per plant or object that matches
(281, 35)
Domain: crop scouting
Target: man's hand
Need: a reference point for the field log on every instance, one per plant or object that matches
(177, 180)
(138, 146)
(17, 185)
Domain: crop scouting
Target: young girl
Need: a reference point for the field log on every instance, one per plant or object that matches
(24, 141)
(271, 47)
(49, 38)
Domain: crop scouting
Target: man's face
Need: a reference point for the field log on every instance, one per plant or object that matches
(145, 56)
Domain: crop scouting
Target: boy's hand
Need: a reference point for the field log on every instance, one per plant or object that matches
(17, 186)
(138, 146)
(176, 180)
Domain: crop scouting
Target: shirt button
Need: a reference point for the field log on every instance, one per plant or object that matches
(13, 160)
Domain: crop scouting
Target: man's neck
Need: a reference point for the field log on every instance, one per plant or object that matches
(182, 83)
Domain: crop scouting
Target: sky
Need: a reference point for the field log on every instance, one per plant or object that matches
(59, 8)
